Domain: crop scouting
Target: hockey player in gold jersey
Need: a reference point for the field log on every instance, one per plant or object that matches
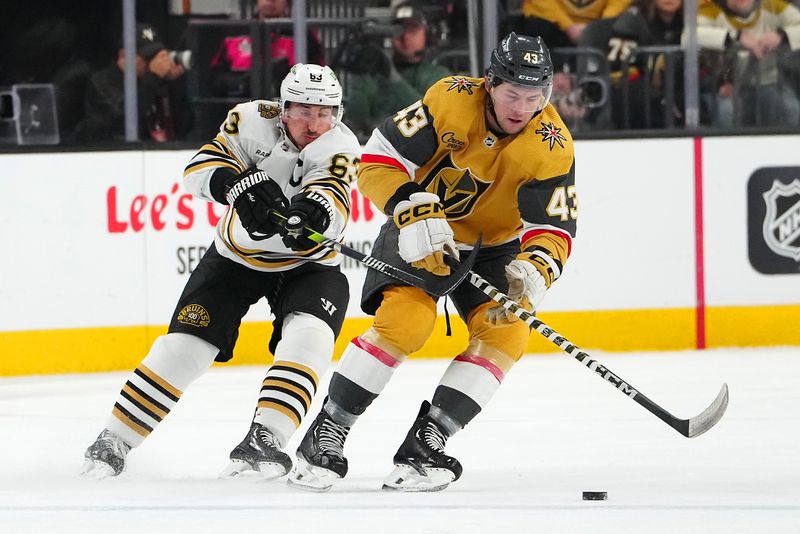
(475, 156)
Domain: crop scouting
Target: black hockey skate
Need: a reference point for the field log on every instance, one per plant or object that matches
(320, 457)
(259, 451)
(106, 456)
(421, 463)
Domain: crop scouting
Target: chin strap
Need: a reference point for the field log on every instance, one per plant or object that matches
(490, 108)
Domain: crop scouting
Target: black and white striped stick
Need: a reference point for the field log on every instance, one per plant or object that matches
(690, 428)
(442, 287)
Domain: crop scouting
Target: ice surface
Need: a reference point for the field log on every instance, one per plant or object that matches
(552, 431)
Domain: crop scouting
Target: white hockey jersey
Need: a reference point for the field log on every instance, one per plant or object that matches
(253, 136)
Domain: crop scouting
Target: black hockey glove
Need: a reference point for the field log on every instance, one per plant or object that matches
(308, 210)
(254, 196)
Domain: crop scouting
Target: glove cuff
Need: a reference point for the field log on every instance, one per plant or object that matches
(218, 183)
(402, 193)
(424, 206)
(544, 263)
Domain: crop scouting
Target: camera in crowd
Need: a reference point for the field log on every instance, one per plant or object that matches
(182, 57)
(365, 51)
(372, 29)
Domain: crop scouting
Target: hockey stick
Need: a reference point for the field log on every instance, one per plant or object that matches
(439, 289)
(690, 428)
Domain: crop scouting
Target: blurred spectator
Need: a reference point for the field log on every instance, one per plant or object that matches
(752, 37)
(380, 85)
(638, 80)
(234, 57)
(562, 22)
(158, 95)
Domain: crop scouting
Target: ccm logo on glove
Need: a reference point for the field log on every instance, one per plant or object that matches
(420, 211)
(425, 236)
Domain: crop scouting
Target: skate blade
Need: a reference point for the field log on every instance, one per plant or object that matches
(265, 470)
(271, 470)
(406, 478)
(235, 468)
(96, 470)
(311, 478)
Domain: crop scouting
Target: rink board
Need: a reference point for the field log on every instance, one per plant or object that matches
(97, 247)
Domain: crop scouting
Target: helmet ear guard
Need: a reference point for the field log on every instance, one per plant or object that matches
(312, 84)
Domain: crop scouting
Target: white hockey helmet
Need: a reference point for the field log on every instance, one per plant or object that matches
(312, 84)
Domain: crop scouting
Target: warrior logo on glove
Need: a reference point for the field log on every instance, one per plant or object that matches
(254, 196)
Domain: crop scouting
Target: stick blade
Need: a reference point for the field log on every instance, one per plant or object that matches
(702, 423)
(459, 271)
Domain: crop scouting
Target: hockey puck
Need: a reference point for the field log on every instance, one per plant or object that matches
(595, 495)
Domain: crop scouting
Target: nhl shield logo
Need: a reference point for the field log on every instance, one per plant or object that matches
(781, 227)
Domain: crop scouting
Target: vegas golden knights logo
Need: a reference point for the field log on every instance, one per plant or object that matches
(268, 112)
(458, 189)
(194, 315)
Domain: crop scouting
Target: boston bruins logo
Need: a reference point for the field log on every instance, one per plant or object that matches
(194, 315)
(458, 189)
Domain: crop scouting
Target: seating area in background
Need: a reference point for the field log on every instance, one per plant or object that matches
(623, 72)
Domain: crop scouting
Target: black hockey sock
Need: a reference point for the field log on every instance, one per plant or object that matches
(349, 396)
(455, 405)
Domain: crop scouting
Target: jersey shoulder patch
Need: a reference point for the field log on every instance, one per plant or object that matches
(455, 103)
(268, 110)
(257, 120)
(452, 92)
(546, 145)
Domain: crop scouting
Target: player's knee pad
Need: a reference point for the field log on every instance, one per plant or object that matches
(180, 358)
(509, 338)
(405, 318)
(306, 340)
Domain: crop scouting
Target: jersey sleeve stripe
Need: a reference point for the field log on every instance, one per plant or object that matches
(335, 186)
(223, 144)
(200, 165)
(530, 234)
(343, 208)
(382, 160)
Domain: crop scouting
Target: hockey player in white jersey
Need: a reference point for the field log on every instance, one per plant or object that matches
(292, 158)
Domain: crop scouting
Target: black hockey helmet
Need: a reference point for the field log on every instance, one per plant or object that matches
(522, 60)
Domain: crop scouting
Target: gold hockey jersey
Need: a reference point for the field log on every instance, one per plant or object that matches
(565, 13)
(505, 188)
